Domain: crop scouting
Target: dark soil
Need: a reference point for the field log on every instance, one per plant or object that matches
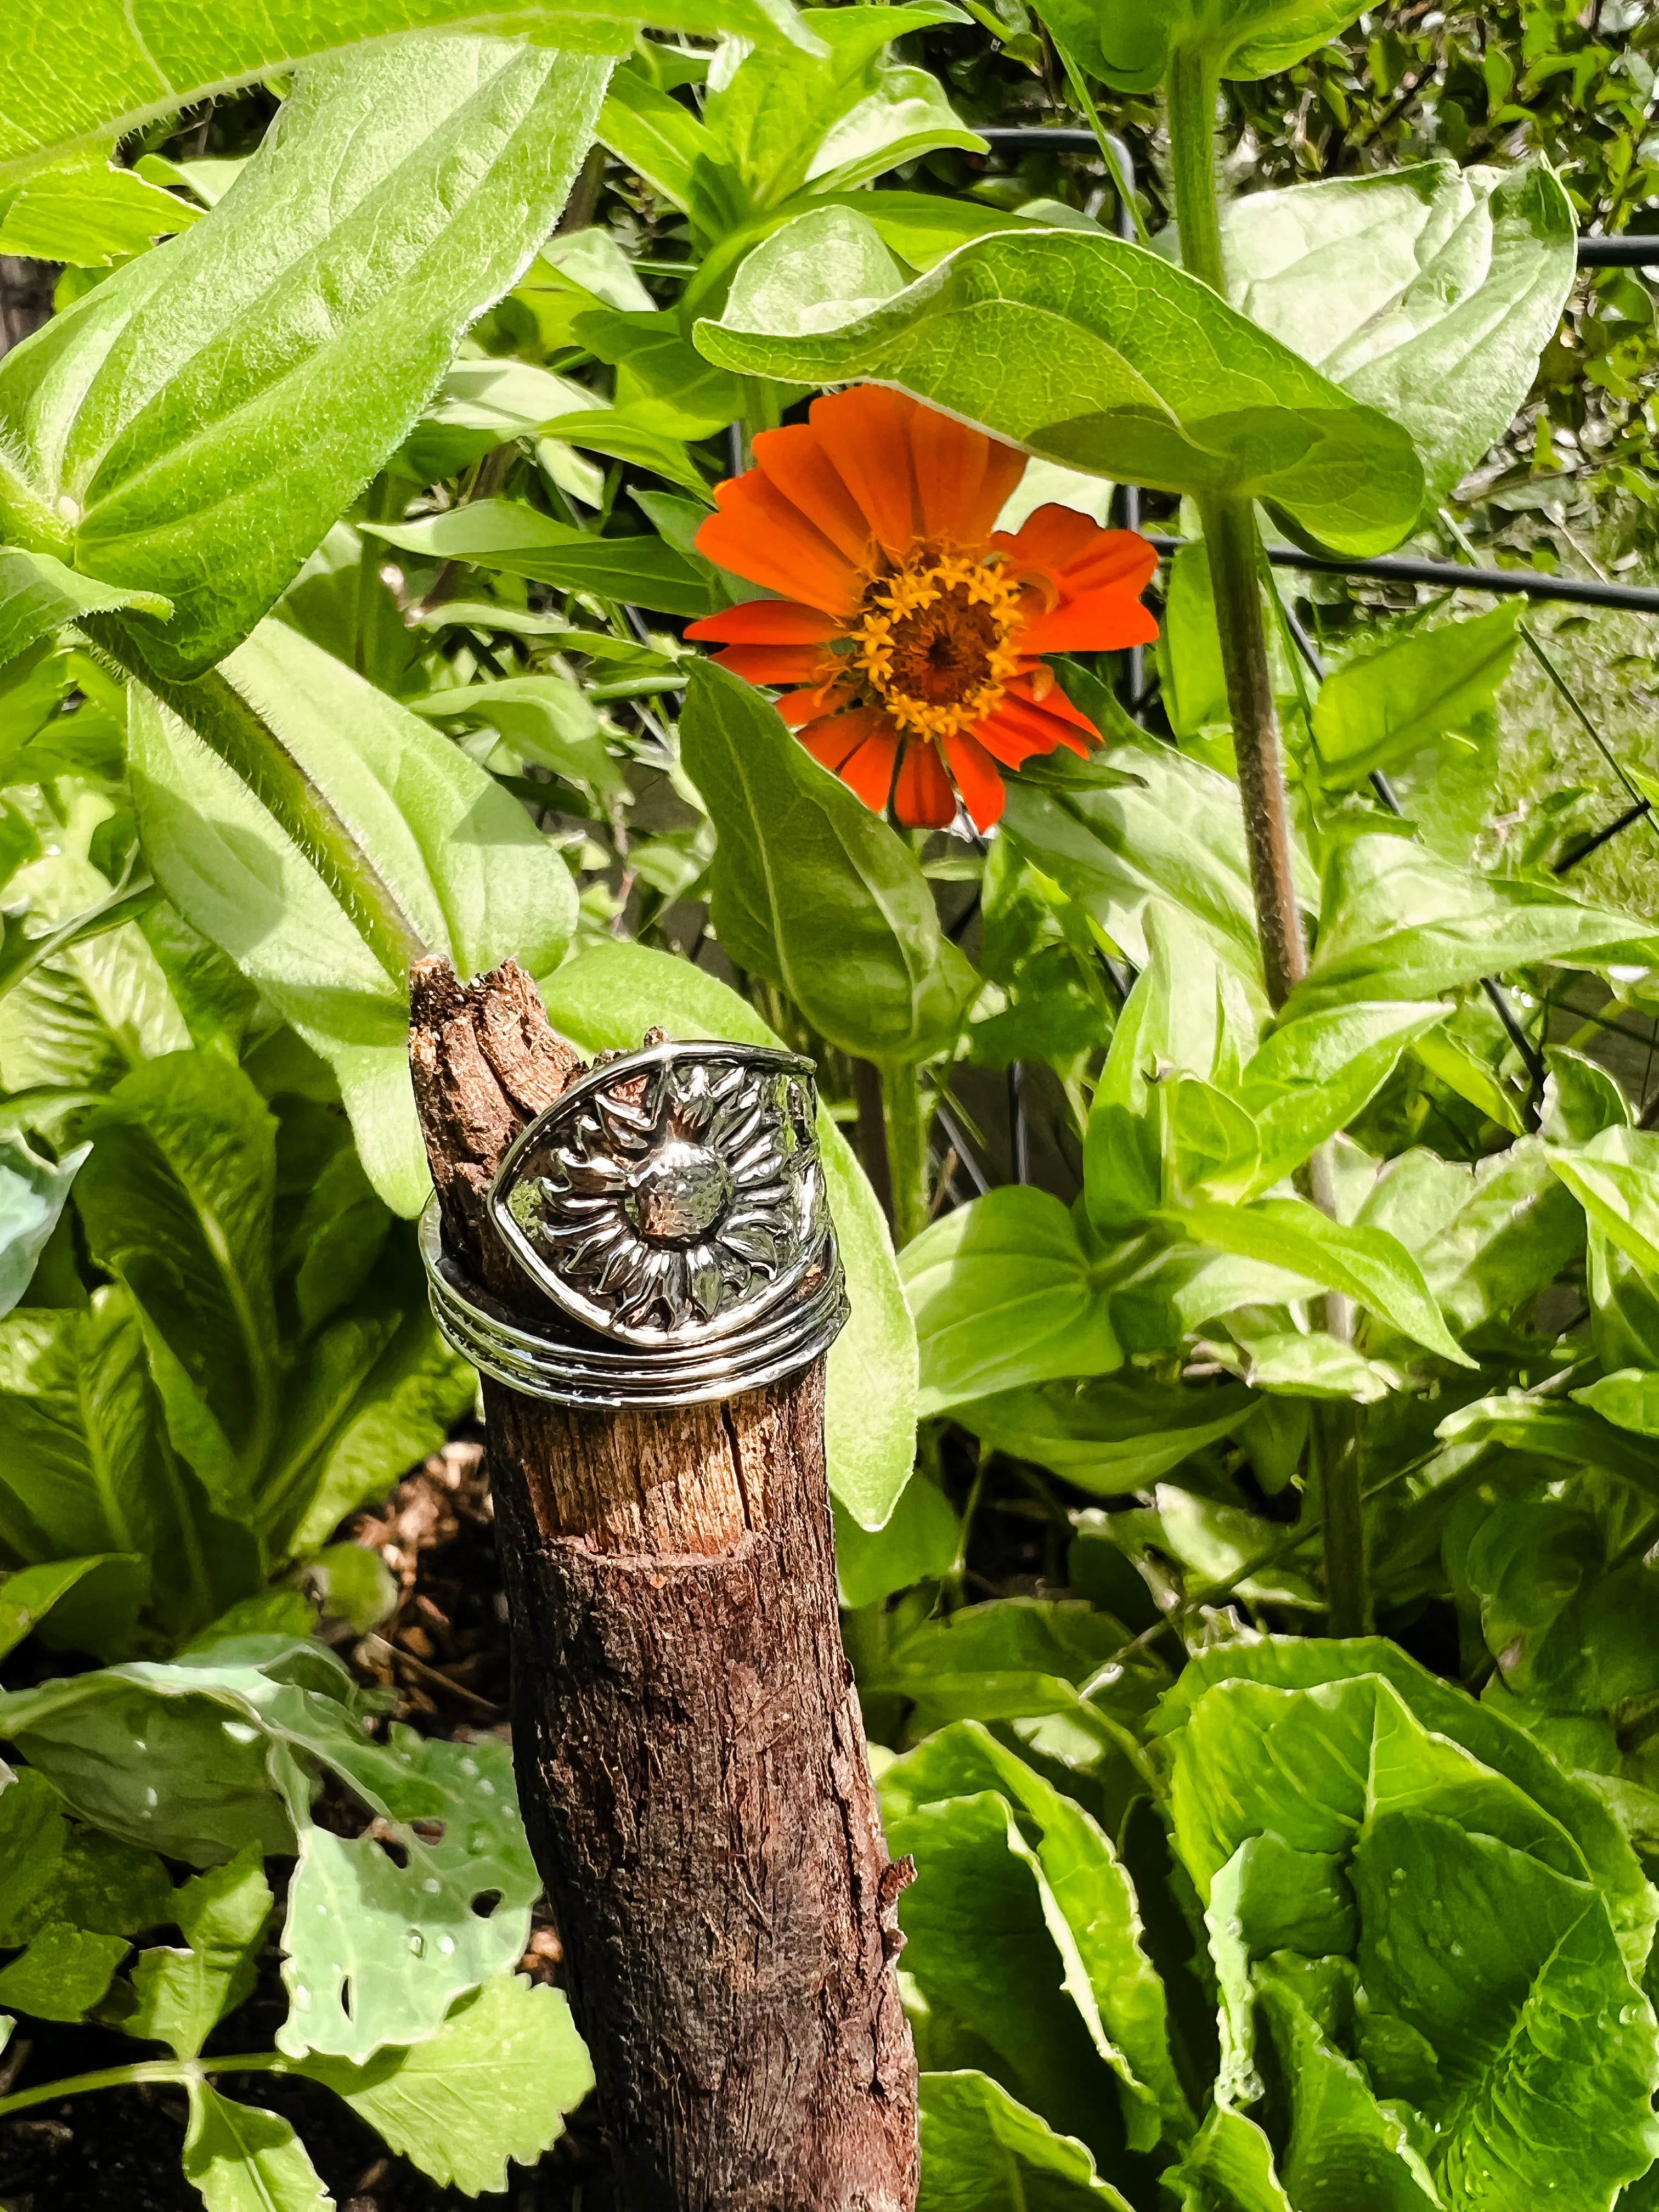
(117, 2150)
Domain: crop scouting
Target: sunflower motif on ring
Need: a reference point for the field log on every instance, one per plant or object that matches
(909, 632)
(672, 1205)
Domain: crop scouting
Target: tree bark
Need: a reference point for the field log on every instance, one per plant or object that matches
(687, 1742)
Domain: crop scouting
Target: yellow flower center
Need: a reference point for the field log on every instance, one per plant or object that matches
(931, 640)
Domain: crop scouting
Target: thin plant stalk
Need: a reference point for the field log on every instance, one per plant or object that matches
(906, 1129)
(1234, 547)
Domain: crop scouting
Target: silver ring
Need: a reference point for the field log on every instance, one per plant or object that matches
(671, 1207)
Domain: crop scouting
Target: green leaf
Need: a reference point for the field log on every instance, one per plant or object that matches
(1629, 1398)
(604, 1001)
(1428, 292)
(1228, 2168)
(1377, 709)
(377, 1951)
(1004, 1294)
(177, 1201)
(27, 1597)
(1615, 1178)
(1060, 343)
(209, 411)
(505, 534)
(1132, 47)
(88, 212)
(546, 718)
(1396, 922)
(1524, 2001)
(182, 1994)
(990, 1951)
(243, 2158)
(1156, 832)
(980, 2147)
(109, 1754)
(1447, 1711)
(1366, 1264)
(132, 69)
(97, 1883)
(1095, 1898)
(1310, 1078)
(38, 595)
(33, 1195)
(460, 856)
(493, 2082)
(33, 1830)
(812, 890)
(1107, 1437)
(1008, 1659)
(918, 1544)
(1345, 2148)
(62, 1973)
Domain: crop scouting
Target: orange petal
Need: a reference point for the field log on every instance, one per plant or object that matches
(767, 622)
(795, 461)
(1101, 621)
(799, 708)
(976, 780)
(1082, 555)
(773, 664)
(760, 534)
(1049, 699)
(962, 477)
(865, 433)
(860, 747)
(922, 797)
(1052, 535)
(1015, 729)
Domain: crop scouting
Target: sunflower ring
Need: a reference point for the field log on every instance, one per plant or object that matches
(671, 1207)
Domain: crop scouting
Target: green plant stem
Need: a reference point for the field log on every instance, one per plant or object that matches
(907, 1149)
(229, 726)
(1235, 564)
(141, 2071)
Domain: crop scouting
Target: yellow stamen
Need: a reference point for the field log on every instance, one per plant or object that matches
(933, 640)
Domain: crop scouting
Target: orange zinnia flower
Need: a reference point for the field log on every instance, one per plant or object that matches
(914, 629)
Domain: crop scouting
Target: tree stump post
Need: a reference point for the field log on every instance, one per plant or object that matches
(686, 1733)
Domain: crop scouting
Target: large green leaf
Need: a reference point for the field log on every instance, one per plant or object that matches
(244, 2159)
(1367, 1264)
(1309, 1078)
(98, 68)
(203, 417)
(493, 2082)
(454, 853)
(33, 1195)
(1004, 1294)
(380, 1941)
(1427, 292)
(1377, 710)
(812, 890)
(1398, 923)
(1095, 1898)
(177, 1202)
(1087, 351)
(1132, 46)
(604, 1001)
(981, 2147)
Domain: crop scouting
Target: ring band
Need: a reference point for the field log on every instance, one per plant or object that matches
(669, 1205)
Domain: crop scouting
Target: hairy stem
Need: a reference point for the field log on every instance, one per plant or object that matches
(907, 1149)
(228, 725)
(1236, 564)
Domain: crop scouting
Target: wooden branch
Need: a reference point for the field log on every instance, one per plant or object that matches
(690, 1756)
